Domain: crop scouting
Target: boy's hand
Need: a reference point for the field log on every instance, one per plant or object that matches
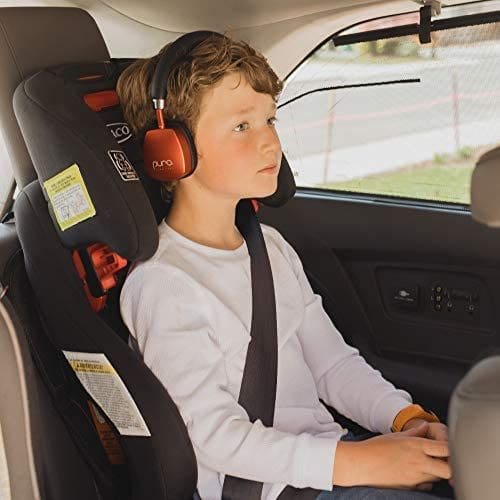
(400, 460)
(436, 431)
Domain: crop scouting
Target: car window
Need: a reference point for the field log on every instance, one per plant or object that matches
(414, 122)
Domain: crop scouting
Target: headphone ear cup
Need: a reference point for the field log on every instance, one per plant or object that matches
(169, 153)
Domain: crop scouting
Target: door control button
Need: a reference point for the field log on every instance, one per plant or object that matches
(406, 298)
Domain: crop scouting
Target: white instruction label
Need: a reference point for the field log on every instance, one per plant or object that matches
(102, 382)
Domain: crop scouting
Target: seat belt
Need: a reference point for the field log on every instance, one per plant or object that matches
(258, 386)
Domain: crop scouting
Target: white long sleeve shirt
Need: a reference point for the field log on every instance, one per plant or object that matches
(189, 307)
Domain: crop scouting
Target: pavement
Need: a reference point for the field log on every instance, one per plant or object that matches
(389, 154)
(348, 134)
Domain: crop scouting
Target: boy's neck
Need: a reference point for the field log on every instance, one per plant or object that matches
(204, 219)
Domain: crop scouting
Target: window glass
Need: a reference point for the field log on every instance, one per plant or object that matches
(414, 125)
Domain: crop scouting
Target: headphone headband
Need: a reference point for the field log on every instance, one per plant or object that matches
(177, 51)
(169, 150)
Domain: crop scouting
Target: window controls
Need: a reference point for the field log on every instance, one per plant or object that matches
(454, 301)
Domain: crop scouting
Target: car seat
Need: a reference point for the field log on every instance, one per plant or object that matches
(106, 208)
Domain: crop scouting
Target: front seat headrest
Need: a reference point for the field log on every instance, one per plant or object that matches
(485, 205)
(33, 38)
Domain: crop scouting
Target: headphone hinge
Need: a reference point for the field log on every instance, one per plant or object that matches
(158, 103)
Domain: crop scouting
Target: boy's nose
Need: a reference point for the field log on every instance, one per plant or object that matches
(270, 141)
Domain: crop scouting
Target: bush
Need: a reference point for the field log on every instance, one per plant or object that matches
(466, 152)
(440, 158)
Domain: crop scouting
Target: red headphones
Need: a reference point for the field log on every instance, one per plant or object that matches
(169, 150)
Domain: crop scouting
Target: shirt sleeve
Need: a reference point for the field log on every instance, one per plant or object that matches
(167, 312)
(343, 378)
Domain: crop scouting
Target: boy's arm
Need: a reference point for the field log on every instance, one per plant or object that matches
(343, 378)
(167, 315)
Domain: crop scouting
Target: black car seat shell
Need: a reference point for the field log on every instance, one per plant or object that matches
(62, 132)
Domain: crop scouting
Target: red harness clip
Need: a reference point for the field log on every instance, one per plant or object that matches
(104, 264)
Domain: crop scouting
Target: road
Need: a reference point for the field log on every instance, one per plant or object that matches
(456, 104)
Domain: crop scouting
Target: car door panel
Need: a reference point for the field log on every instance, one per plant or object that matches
(359, 253)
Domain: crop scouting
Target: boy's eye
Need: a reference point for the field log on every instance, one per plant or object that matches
(244, 125)
(241, 127)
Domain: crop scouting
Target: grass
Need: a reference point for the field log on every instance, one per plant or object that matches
(443, 179)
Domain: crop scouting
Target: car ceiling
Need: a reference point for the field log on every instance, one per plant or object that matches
(284, 30)
(189, 14)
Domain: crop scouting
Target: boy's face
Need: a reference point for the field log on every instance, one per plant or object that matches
(236, 139)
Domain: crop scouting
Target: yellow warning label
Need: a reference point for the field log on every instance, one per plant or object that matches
(69, 197)
(90, 367)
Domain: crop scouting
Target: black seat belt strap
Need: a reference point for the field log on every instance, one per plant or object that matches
(258, 386)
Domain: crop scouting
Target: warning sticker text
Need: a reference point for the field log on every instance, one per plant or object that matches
(102, 382)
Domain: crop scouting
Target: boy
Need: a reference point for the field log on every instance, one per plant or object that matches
(189, 308)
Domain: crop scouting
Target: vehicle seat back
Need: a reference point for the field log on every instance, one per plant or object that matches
(473, 424)
(475, 404)
(33, 38)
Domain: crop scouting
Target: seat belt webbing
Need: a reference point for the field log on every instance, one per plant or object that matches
(258, 386)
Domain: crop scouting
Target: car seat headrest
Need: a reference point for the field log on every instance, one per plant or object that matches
(94, 191)
(286, 186)
(33, 38)
(485, 206)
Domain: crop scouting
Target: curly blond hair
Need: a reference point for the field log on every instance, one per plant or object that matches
(205, 65)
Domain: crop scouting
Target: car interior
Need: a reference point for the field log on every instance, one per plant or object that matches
(409, 279)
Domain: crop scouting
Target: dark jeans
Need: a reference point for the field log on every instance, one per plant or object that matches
(440, 489)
